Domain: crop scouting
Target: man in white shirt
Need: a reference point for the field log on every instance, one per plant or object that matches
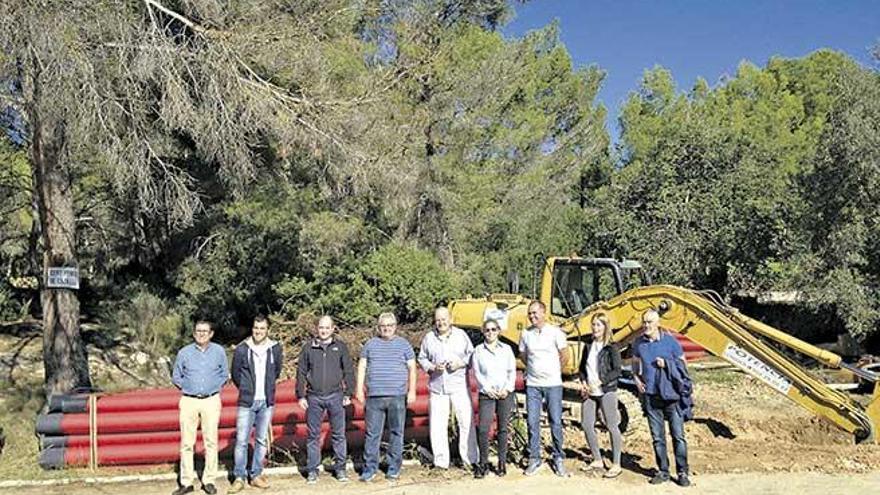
(542, 348)
(444, 354)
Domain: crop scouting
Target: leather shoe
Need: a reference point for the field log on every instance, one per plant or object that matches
(683, 480)
(659, 478)
(183, 490)
(479, 471)
(210, 489)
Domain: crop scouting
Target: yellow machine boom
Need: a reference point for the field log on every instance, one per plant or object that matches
(706, 320)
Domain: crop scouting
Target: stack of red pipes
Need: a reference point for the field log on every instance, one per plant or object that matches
(143, 426)
(692, 350)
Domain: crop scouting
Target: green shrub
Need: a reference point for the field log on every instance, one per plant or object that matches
(11, 307)
(147, 318)
(409, 280)
(396, 277)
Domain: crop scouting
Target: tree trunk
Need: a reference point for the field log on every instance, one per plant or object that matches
(64, 357)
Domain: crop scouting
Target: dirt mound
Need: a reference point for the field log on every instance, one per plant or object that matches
(294, 334)
(740, 425)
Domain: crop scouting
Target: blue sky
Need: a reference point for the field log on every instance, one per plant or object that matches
(693, 38)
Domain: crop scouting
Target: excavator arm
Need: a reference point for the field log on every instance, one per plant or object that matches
(722, 331)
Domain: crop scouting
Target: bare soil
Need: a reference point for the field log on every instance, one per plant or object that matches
(457, 482)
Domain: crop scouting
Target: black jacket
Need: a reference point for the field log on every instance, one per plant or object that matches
(324, 369)
(609, 367)
(244, 377)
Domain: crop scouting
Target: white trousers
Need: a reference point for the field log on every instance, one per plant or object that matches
(438, 415)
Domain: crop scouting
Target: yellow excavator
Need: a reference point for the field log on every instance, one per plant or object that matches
(575, 288)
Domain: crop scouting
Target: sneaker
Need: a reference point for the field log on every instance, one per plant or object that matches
(312, 478)
(559, 468)
(659, 478)
(367, 476)
(613, 472)
(392, 476)
(533, 468)
(260, 482)
(237, 486)
(683, 480)
(210, 489)
(341, 476)
(183, 490)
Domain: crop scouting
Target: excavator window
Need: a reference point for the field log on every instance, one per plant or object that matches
(576, 286)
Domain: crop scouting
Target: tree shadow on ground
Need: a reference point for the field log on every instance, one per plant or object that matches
(717, 428)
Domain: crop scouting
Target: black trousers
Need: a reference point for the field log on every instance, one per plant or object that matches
(489, 409)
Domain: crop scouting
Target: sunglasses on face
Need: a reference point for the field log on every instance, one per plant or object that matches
(491, 329)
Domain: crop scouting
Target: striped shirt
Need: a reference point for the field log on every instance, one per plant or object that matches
(387, 370)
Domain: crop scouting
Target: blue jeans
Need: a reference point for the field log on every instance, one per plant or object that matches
(258, 416)
(332, 404)
(390, 410)
(536, 397)
(658, 412)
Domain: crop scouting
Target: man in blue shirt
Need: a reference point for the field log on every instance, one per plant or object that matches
(199, 372)
(656, 350)
(388, 370)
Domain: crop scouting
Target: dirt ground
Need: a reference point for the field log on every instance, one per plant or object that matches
(456, 482)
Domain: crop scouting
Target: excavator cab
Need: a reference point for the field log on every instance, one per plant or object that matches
(575, 284)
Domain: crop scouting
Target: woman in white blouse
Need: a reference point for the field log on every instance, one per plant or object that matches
(599, 372)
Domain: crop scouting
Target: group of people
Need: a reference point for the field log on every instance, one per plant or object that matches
(384, 381)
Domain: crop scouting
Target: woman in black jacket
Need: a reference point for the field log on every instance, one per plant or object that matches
(599, 372)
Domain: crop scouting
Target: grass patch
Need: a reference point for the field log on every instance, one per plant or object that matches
(719, 376)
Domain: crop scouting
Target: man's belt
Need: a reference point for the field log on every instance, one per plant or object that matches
(200, 396)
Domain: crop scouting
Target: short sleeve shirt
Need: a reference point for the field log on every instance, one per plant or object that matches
(541, 349)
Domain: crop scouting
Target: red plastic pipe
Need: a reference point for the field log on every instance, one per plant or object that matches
(168, 452)
(140, 438)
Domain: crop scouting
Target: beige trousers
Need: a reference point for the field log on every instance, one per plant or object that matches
(192, 412)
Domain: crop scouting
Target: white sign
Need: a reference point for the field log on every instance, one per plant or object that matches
(757, 368)
(63, 278)
(499, 315)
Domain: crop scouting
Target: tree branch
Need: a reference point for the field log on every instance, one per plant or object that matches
(188, 23)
